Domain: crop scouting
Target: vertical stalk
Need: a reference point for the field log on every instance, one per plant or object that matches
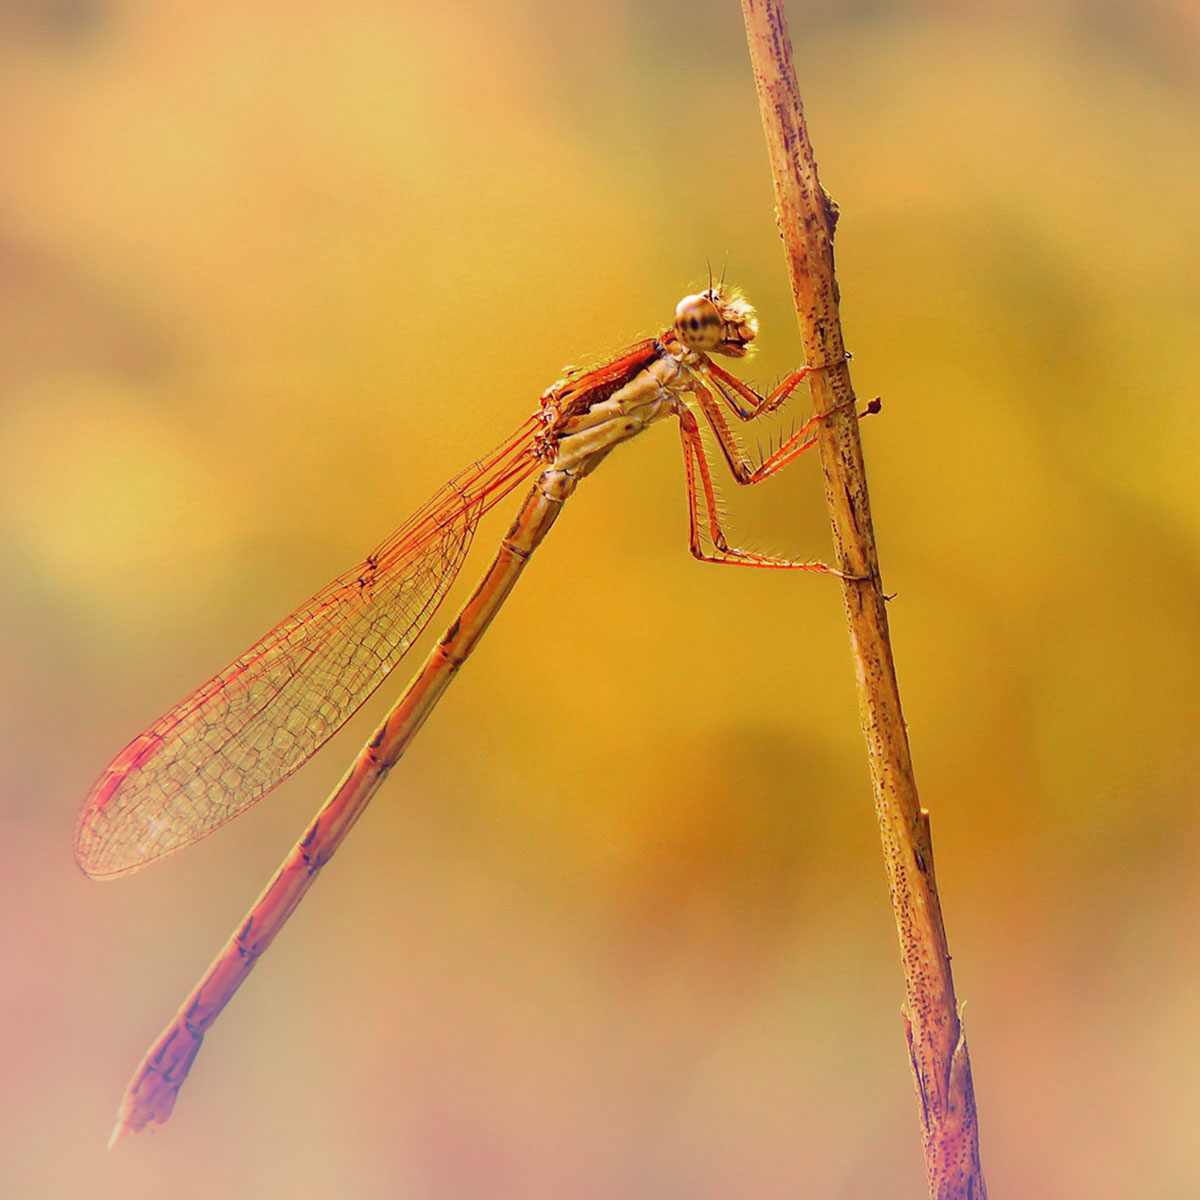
(806, 217)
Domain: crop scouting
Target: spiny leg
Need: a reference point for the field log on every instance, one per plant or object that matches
(693, 453)
(695, 464)
(744, 470)
(731, 388)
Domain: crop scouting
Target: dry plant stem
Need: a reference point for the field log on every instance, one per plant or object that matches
(806, 218)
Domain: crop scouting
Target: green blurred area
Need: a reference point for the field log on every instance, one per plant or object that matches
(618, 926)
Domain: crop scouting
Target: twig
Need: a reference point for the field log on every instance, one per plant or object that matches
(806, 217)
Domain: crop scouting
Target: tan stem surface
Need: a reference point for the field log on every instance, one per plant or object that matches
(806, 217)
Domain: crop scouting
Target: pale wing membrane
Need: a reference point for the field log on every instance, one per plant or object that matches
(249, 727)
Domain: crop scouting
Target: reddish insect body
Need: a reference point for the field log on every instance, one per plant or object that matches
(244, 731)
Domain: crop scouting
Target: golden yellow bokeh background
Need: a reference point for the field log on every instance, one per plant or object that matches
(618, 925)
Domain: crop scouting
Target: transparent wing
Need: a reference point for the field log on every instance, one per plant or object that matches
(249, 727)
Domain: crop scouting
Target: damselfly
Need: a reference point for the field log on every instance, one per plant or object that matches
(249, 727)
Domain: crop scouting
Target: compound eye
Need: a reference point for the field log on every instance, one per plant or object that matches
(698, 323)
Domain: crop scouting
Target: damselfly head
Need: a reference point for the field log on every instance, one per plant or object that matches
(716, 322)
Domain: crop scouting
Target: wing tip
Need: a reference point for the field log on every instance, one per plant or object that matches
(120, 1130)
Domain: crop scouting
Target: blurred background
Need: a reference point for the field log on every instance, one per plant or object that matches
(618, 926)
